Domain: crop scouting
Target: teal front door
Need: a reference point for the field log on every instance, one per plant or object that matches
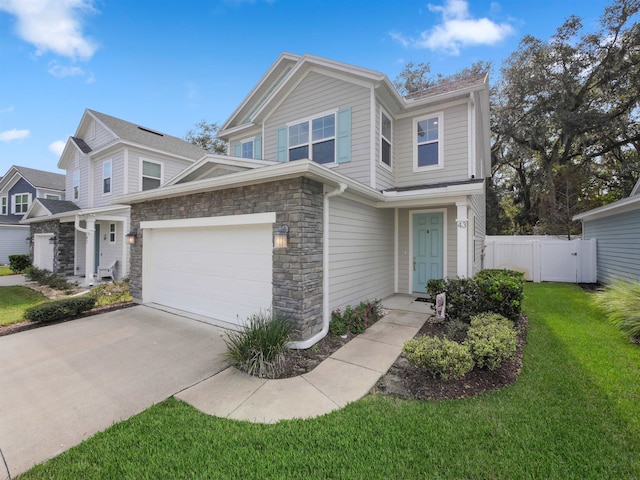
(96, 239)
(428, 248)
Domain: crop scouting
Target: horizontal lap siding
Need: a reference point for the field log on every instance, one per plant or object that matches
(102, 135)
(360, 253)
(384, 177)
(317, 94)
(618, 241)
(117, 180)
(170, 168)
(455, 147)
(13, 241)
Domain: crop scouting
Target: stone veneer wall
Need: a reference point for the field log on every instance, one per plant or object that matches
(297, 271)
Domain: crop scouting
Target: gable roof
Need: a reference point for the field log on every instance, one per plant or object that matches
(628, 204)
(464, 83)
(147, 137)
(58, 206)
(37, 178)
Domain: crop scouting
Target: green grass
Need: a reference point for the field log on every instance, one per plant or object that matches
(14, 301)
(4, 270)
(574, 413)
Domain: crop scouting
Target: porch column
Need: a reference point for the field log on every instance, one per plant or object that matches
(90, 251)
(462, 239)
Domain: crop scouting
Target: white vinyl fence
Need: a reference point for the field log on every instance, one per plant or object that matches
(543, 259)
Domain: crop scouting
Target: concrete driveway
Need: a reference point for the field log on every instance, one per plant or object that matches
(62, 383)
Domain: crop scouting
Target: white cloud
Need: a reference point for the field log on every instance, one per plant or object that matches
(8, 109)
(9, 135)
(53, 25)
(458, 29)
(57, 147)
(61, 71)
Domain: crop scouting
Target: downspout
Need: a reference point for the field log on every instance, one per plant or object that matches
(89, 252)
(326, 315)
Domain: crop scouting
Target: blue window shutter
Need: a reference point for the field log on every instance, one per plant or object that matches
(344, 135)
(257, 148)
(237, 150)
(281, 146)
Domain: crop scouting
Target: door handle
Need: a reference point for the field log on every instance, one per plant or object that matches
(414, 264)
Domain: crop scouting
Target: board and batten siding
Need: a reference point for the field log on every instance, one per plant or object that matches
(455, 147)
(618, 241)
(477, 224)
(360, 253)
(13, 241)
(317, 94)
(405, 255)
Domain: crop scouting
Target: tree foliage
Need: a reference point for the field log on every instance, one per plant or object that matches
(204, 136)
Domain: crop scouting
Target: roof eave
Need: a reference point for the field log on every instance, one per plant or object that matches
(621, 206)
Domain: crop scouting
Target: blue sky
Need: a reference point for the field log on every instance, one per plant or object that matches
(168, 64)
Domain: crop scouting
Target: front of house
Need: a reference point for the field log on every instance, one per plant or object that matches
(338, 190)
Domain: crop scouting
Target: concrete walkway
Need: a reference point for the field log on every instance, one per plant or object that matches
(11, 280)
(346, 376)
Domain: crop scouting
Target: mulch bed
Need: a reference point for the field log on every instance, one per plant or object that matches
(406, 381)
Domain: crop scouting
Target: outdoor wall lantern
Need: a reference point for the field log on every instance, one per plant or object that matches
(281, 237)
(29, 239)
(52, 240)
(131, 237)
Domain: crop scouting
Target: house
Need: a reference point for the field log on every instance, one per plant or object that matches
(338, 190)
(19, 187)
(616, 228)
(106, 158)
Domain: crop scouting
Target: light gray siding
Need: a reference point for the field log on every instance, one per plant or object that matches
(360, 252)
(170, 168)
(478, 225)
(111, 251)
(80, 163)
(618, 241)
(317, 94)
(384, 176)
(13, 241)
(455, 147)
(117, 179)
(96, 135)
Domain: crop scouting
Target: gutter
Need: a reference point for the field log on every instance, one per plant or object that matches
(326, 315)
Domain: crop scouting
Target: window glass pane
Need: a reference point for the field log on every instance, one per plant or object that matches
(324, 127)
(150, 183)
(428, 154)
(106, 185)
(428, 130)
(386, 152)
(106, 169)
(247, 150)
(299, 134)
(299, 153)
(151, 169)
(324, 152)
(386, 127)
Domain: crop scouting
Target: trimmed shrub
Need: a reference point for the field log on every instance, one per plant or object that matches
(441, 357)
(355, 319)
(45, 277)
(621, 302)
(259, 348)
(59, 309)
(463, 297)
(111, 293)
(19, 263)
(456, 330)
(491, 340)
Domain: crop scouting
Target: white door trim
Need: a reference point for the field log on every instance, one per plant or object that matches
(444, 242)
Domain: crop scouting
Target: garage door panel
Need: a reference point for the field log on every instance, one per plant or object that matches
(219, 272)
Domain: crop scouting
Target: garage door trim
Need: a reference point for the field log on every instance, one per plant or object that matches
(226, 220)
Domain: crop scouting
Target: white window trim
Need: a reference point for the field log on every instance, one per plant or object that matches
(14, 203)
(252, 141)
(310, 142)
(110, 177)
(4, 209)
(414, 139)
(390, 140)
(75, 182)
(51, 196)
(141, 177)
(112, 234)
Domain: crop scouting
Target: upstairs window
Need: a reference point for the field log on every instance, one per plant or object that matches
(50, 196)
(106, 177)
(320, 146)
(151, 175)
(385, 139)
(3, 205)
(76, 185)
(428, 135)
(21, 203)
(246, 149)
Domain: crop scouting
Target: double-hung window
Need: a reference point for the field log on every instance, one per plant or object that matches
(151, 175)
(428, 137)
(314, 139)
(76, 186)
(3, 206)
(246, 149)
(21, 203)
(385, 139)
(106, 177)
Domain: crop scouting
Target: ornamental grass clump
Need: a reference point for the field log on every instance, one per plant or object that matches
(439, 356)
(621, 302)
(492, 340)
(261, 346)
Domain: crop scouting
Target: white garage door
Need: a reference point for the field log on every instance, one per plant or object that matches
(221, 272)
(43, 251)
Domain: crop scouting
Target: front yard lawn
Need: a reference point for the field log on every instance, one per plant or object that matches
(573, 413)
(14, 301)
(4, 270)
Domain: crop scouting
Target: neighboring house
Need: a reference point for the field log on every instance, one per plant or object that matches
(106, 157)
(19, 187)
(375, 193)
(616, 228)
